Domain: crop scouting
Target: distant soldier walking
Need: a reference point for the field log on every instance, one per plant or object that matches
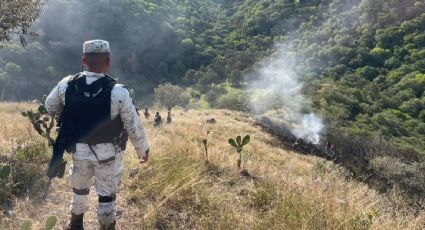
(146, 113)
(102, 115)
(158, 119)
(169, 119)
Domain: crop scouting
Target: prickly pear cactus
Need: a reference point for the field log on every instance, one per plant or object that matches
(5, 171)
(50, 223)
(42, 122)
(238, 144)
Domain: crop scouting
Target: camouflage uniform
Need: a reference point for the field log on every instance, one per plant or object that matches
(86, 170)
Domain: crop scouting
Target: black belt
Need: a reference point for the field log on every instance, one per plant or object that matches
(100, 161)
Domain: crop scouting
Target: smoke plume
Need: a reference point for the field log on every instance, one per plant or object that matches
(277, 93)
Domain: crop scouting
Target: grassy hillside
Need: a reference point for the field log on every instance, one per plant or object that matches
(177, 190)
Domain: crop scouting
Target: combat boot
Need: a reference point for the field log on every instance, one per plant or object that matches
(108, 227)
(76, 222)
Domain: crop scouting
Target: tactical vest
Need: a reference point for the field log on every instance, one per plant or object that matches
(88, 112)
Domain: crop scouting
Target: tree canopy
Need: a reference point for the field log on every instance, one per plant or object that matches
(363, 61)
(171, 96)
(16, 17)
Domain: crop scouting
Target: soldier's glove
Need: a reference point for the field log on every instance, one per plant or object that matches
(56, 169)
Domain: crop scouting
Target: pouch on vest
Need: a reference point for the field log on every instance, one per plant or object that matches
(89, 110)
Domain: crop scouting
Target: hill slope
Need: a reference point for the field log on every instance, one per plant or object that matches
(362, 60)
(176, 190)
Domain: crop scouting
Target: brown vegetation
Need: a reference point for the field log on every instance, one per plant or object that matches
(177, 190)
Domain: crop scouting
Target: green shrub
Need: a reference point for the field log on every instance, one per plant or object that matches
(5, 171)
(26, 179)
(408, 176)
(171, 95)
(22, 172)
(215, 92)
(368, 72)
(412, 107)
(50, 222)
(26, 225)
(233, 100)
(33, 152)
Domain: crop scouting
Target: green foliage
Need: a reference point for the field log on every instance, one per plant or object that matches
(412, 107)
(32, 152)
(26, 225)
(238, 143)
(12, 68)
(42, 122)
(21, 171)
(51, 71)
(233, 100)
(5, 170)
(171, 95)
(188, 43)
(386, 95)
(359, 58)
(24, 13)
(50, 223)
(407, 176)
(368, 72)
(27, 176)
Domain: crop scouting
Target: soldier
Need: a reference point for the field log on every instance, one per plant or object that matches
(102, 113)
(169, 119)
(330, 150)
(146, 113)
(158, 119)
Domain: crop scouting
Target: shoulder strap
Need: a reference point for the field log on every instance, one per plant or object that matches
(76, 77)
(109, 82)
(71, 90)
(73, 81)
(79, 85)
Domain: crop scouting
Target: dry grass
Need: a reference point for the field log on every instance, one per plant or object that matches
(14, 128)
(176, 190)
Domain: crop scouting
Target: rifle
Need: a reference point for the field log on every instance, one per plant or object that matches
(43, 123)
(57, 164)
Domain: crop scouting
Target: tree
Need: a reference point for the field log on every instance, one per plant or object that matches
(412, 107)
(12, 71)
(368, 72)
(171, 95)
(17, 16)
(234, 99)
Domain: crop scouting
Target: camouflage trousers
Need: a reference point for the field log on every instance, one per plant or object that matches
(88, 169)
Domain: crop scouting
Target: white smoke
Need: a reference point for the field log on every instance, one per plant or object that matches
(309, 128)
(277, 93)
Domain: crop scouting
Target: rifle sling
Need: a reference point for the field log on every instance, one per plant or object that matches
(100, 161)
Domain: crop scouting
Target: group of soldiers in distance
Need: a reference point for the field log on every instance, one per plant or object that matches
(158, 118)
(329, 148)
